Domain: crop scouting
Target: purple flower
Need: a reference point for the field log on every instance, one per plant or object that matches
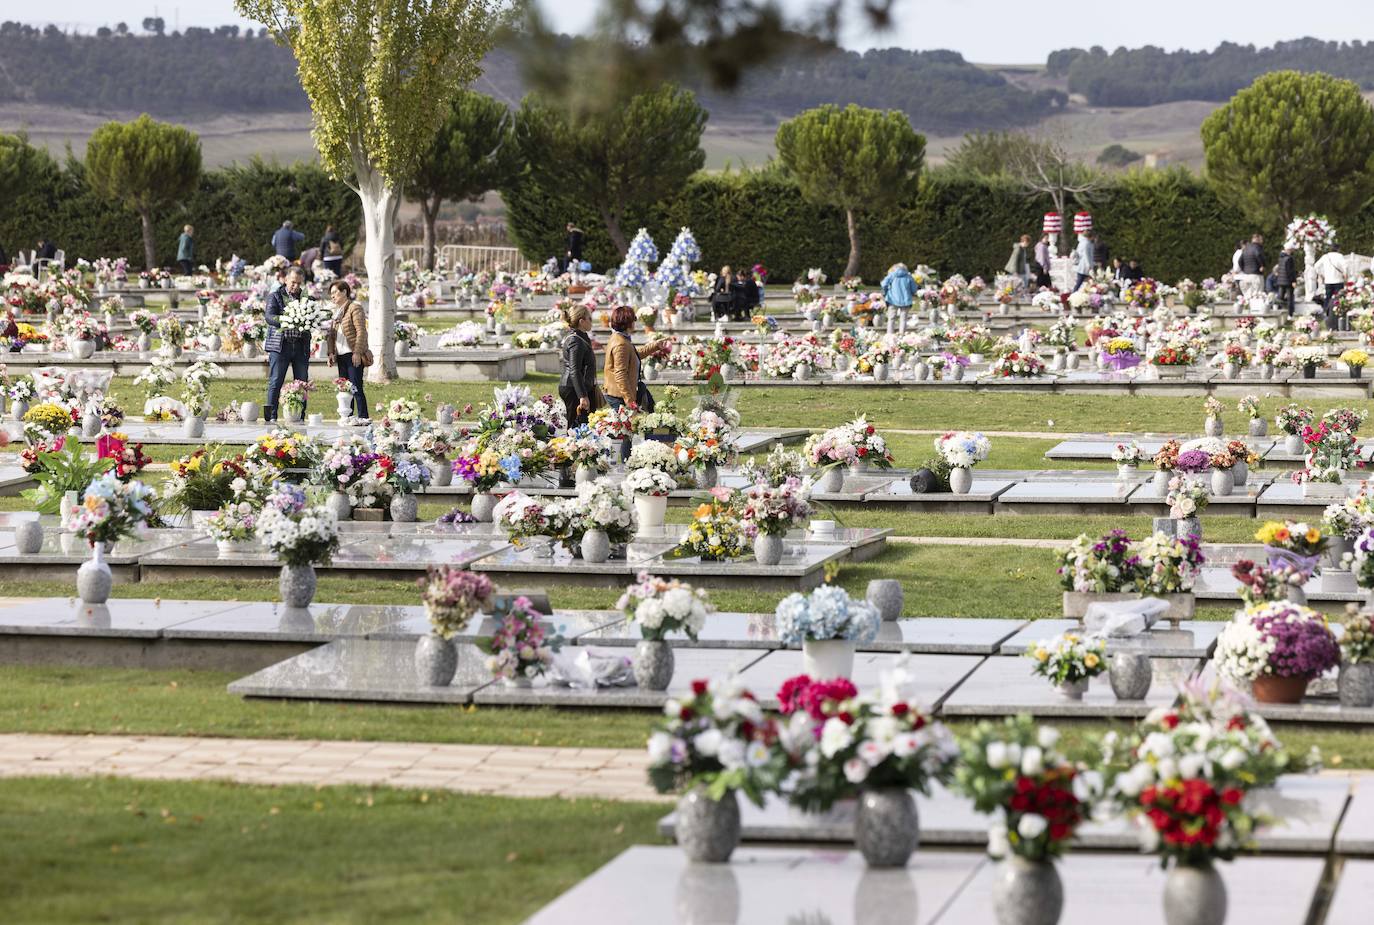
(1303, 646)
(1193, 461)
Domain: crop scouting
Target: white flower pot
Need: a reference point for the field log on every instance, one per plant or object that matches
(18, 409)
(145, 343)
(226, 547)
(827, 658)
(650, 510)
(1292, 444)
(249, 411)
(294, 414)
(960, 480)
(584, 474)
(879, 372)
(831, 481)
(1213, 427)
(1222, 482)
(193, 428)
(338, 503)
(83, 349)
(1125, 473)
(1161, 483)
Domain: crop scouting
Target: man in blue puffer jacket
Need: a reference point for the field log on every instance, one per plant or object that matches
(286, 241)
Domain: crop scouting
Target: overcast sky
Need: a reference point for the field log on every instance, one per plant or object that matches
(985, 31)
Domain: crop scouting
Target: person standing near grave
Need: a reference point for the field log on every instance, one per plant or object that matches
(899, 289)
(348, 343)
(1018, 264)
(1044, 262)
(572, 260)
(623, 382)
(723, 295)
(186, 250)
(1252, 267)
(1285, 277)
(285, 350)
(1331, 276)
(331, 251)
(286, 241)
(1083, 259)
(577, 381)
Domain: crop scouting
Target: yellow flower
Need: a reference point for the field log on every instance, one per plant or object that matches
(1041, 655)
(1313, 535)
(1090, 660)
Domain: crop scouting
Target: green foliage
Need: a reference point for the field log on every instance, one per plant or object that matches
(989, 154)
(611, 164)
(235, 209)
(67, 469)
(145, 165)
(1290, 144)
(854, 159)
(1118, 156)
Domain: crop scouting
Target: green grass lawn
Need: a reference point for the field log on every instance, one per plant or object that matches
(105, 850)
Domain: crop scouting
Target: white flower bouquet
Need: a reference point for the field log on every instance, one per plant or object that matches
(297, 532)
(661, 606)
(963, 449)
(826, 613)
(301, 316)
(648, 482)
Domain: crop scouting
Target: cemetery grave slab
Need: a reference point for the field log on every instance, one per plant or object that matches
(931, 678)
(1192, 638)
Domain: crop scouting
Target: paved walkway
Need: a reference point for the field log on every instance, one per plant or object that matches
(508, 771)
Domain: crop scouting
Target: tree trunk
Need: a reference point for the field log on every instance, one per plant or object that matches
(380, 202)
(852, 267)
(430, 207)
(149, 242)
(613, 229)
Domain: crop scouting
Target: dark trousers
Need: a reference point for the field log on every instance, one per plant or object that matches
(185, 267)
(1286, 298)
(333, 265)
(1332, 322)
(353, 374)
(615, 402)
(575, 418)
(1083, 278)
(294, 358)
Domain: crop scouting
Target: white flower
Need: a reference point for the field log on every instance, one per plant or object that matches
(1191, 766)
(905, 744)
(1031, 826)
(660, 746)
(1233, 759)
(1048, 737)
(997, 755)
(1032, 761)
(872, 753)
(731, 753)
(672, 709)
(835, 737)
(855, 771)
(708, 743)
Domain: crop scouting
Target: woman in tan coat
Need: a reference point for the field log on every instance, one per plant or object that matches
(624, 375)
(348, 343)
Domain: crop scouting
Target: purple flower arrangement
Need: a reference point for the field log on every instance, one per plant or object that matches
(1193, 462)
(1304, 646)
(456, 516)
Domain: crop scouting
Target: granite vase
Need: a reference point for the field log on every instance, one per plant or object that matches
(404, 508)
(1355, 684)
(708, 477)
(1072, 690)
(1194, 894)
(297, 585)
(886, 828)
(1222, 483)
(1292, 444)
(596, 546)
(28, 537)
(653, 664)
(1131, 674)
(830, 481)
(584, 474)
(1213, 427)
(249, 411)
(1259, 427)
(1026, 892)
(708, 830)
(440, 473)
(885, 594)
(768, 549)
(93, 578)
(193, 428)
(339, 505)
(436, 660)
(960, 480)
(483, 504)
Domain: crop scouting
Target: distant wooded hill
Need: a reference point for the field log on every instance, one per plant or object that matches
(202, 72)
(1148, 76)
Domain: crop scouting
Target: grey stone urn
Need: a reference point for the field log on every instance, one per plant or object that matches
(28, 537)
(596, 546)
(1222, 483)
(18, 408)
(830, 481)
(1194, 895)
(297, 585)
(339, 505)
(584, 474)
(90, 424)
(1027, 892)
(1072, 690)
(885, 594)
(1355, 684)
(1213, 427)
(768, 549)
(960, 480)
(145, 343)
(440, 473)
(708, 477)
(1130, 674)
(1259, 427)
(1183, 526)
(436, 660)
(249, 411)
(83, 349)
(708, 830)
(483, 504)
(404, 508)
(93, 578)
(653, 664)
(193, 427)
(1292, 444)
(886, 828)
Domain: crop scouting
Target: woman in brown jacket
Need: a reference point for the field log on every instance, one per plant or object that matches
(348, 342)
(624, 374)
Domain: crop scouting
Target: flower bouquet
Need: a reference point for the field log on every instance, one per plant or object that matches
(520, 651)
(1187, 499)
(1294, 546)
(715, 533)
(1017, 365)
(827, 624)
(877, 747)
(1069, 661)
(588, 450)
(110, 510)
(710, 746)
(1119, 353)
(855, 443)
(301, 316)
(143, 321)
(452, 596)
(601, 507)
(1278, 647)
(299, 534)
(1293, 418)
(1127, 456)
(662, 606)
(613, 423)
(773, 510)
(236, 522)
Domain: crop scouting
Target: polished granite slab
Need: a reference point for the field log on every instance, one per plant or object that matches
(762, 886)
(364, 670)
(273, 622)
(1354, 895)
(1220, 585)
(68, 549)
(986, 487)
(1192, 638)
(1087, 491)
(1356, 834)
(1094, 447)
(1289, 493)
(930, 678)
(1308, 808)
(570, 624)
(1003, 685)
(1128, 890)
(357, 551)
(119, 617)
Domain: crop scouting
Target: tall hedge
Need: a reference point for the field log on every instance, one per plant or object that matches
(235, 210)
(1170, 220)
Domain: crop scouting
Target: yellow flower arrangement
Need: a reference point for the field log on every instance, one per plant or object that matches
(1354, 357)
(714, 533)
(49, 417)
(1120, 345)
(1300, 538)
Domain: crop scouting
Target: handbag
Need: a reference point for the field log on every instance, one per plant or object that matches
(363, 359)
(644, 398)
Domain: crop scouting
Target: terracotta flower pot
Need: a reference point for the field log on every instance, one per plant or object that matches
(1273, 689)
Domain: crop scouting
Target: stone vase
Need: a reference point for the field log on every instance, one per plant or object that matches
(1160, 483)
(583, 474)
(708, 477)
(1222, 483)
(483, 503)
(444, 416)
(828, 658)
(653, 664)
(402, 348)
(1240, 474)
(1072, 690)
(294, 413)
(145, 343)
(83, 349)
(93, 578)
(1130, 674)
(440, 473)
(960, 480)
(650, 510)
(768, 549)
(343, 404)
(18, 409)
(886, 828)
(249, 411)
(1194, 895)
(919, 371)
(404, 508)
(1355, 684)
(28, 537)
(1124, 472)
(1297, 594)
(249, 350)
(802, 373)
(1292, 444)
(436, 660)
(339, 505)
(1185, 526)
(879, 372)
(886, 596)
(1259, 427)
(193, 428)
(1213, 427)
(830, 481)
(1026, 892)
(297, 585)
(596, 546)
(727, 371)
(707, 830)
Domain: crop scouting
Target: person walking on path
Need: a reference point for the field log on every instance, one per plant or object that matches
(286, 241)
(285, 349)
(1252, 267)
(899, 289)
(1331, 269)
(331, 251)
(577, 381)
(572, 259)
(1043, 263)
(186, 250)
(348, 343)
(1083, 259)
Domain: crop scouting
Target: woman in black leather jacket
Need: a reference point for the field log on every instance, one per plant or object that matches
(577, 383)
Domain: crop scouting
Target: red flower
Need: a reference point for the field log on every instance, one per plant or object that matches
(698, 688)
(1170, 720)
(1231, 796)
